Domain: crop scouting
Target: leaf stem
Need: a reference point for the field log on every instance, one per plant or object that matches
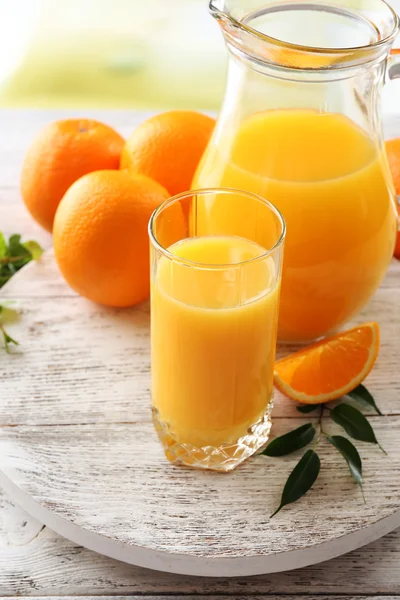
(7, 339)
(11, 259)
(362, 493)
(383, 449)
(319, 425)
(321, 414)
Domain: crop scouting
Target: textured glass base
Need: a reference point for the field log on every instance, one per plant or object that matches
(225, 457)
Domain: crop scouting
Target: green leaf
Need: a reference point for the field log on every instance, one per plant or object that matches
(350, 454)
(305, 409)
(3, 246)
(34, 248)
(6, 272)
(15, 248)
(8, 315)
(301, 479)
(354, 423)
(362, 395)
(16, 256)
(294, 440)
(7, 339)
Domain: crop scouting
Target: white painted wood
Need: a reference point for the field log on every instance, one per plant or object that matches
(49, 564)
(211, 597)
(110, 378)
(219, 597)
(81, 454)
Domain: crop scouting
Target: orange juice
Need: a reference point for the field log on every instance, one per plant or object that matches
(213, 339)
(330, 182)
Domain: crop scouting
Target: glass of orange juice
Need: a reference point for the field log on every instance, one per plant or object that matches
(214, 316)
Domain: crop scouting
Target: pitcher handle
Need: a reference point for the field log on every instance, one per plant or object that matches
(394, 64)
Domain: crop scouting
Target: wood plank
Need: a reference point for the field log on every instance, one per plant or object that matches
(212, 597)
(48, 282)
(83, 474)
(40, 563)
(53, 333)
(14, 217)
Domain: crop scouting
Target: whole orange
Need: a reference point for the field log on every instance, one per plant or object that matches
(397, 246)
(100, 236)
(168, 148)
(61, 153)
(393, 154)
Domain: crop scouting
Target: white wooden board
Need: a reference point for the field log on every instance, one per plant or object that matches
(78, 450)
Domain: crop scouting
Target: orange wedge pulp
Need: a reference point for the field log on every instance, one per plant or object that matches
(331, 368)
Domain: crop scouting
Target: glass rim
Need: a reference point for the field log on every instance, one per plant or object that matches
(208, 191)
(218, 13)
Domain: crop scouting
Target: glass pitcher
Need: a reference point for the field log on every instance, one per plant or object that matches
(300, 125)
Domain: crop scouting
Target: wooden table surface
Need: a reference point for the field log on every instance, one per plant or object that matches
(35, 562)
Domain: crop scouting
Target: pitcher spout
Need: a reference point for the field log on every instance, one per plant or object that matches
(307, 34)
(228, 19)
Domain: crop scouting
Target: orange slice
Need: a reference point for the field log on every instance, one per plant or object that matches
(330, 368)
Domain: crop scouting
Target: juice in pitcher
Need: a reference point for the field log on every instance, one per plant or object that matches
(330, 183)
(300, 125)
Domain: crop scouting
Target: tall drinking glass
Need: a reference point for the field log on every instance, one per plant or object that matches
(214, 315)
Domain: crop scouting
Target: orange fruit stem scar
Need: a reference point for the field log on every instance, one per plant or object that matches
(61, 153)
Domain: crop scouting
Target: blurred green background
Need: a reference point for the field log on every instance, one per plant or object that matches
(110, 54)
(139, 54)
